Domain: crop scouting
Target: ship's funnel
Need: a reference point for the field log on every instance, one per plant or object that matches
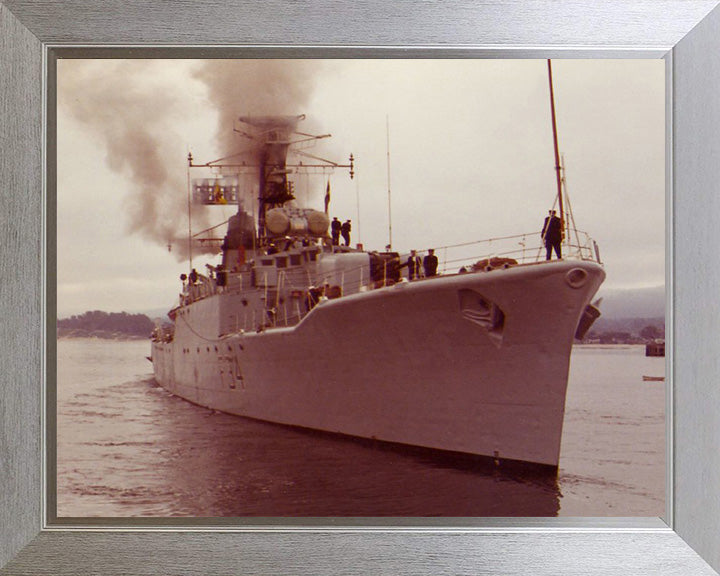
(271, 136)
(241, 231)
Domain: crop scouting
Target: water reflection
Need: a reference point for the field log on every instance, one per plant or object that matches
(221, 465)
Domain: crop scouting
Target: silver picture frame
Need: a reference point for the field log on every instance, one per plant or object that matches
(686, 33)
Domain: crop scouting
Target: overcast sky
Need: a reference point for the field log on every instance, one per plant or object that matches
(471, 158)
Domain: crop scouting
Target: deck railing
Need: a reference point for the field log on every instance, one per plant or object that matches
(469, 256)
(523, 248)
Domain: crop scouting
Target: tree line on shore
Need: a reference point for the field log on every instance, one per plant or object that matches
(106, 324)
(620, 334)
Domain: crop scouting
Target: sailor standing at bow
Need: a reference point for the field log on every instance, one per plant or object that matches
(552, 235)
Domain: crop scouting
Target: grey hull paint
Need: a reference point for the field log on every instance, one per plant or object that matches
(411, 363)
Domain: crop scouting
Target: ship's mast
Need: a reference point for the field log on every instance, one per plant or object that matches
(387, 130)
(270, 138)
(558, 167)
(189, 202)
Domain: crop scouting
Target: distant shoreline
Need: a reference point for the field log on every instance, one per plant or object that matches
(78, 334)
(106, 325)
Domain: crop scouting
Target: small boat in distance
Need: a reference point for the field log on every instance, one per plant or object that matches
(293, 328)
(655, 348)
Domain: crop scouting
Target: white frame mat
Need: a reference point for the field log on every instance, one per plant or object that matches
(686, 33)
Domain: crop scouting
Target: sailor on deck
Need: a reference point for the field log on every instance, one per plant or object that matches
(413, 265)
(335, 227)
(345, 229)
(552, 235)
(430, 263)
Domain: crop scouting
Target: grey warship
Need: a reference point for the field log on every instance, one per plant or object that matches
(290, 327)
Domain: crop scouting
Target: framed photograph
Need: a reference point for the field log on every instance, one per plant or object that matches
(416, 408)
(57, 524)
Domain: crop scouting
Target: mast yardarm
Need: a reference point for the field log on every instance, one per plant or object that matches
(271, 138)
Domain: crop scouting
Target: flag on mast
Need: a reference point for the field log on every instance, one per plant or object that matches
(327, 197)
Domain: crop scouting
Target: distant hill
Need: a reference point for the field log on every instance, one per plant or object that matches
(630, 315)
(115, 325)
(632, 303)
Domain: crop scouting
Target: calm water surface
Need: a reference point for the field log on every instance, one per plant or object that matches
(125, 447)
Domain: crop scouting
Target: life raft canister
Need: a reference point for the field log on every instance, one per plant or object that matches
(281, 221)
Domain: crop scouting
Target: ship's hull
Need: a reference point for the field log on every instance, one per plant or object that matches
(474, 363)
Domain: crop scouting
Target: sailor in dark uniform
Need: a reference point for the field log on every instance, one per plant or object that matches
(345, 229)
(430, 264)
(413, 265)
(335, 227)
(552, 235)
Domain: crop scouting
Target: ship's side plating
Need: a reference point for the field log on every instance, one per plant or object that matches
(474, 363)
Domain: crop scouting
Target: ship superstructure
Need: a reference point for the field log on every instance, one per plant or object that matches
(295, 329)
